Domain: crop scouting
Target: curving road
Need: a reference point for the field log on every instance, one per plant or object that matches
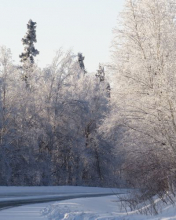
(19, 202)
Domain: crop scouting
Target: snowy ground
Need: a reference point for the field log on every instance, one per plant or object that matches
(26, 212)
(99, 208)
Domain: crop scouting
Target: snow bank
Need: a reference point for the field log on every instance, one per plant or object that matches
(101, 208)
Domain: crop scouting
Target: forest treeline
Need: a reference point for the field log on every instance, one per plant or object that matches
(48, 124)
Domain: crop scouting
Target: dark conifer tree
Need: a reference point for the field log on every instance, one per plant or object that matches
(81, 62)
(100, 73)
(28, 41)
(27, 57)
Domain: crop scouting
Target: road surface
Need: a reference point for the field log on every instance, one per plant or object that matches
(19, 202)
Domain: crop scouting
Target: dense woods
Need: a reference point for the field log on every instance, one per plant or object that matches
(48, 128)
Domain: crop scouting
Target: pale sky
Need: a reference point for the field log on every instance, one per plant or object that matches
(82, 25)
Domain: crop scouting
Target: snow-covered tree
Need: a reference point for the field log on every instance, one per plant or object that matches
(143, 93)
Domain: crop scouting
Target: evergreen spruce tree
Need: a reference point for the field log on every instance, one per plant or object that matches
(100, 73)
(27, 57)
(101, 76)
(81, 62)
(29, 40)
